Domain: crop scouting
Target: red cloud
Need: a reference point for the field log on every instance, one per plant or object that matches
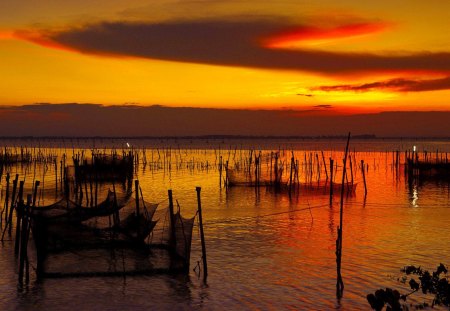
(397, 85)
(310, 33)
(42, 38)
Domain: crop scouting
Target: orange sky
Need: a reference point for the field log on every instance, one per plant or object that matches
(351, 55)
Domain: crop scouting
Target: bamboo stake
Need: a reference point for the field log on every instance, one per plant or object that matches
(172, 241)
(331, 180)
(9, 223)
(364, 177)
(23, 243)
(136, 189)
(19, 211)
(6, 197)
(202, 236)
(339, 282)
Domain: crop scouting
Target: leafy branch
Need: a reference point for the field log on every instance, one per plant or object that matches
(435, 283)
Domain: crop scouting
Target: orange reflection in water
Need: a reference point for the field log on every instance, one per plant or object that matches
(268, 248)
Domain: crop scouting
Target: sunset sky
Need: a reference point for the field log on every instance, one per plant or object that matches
(334, 57)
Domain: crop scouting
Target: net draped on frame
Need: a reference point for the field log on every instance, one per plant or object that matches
(109, 238)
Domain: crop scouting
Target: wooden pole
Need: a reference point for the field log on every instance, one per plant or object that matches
(364, 177)
(343, 181)
(351, 170)
(23, 242)
(19, 211)
(9, 223)
(324, 165)
(339, 282)
(202, 236)
(61, 174)
(220, 172)
(226, 175)
(56, 177)
(172, 241)
(318, 167)
(6, 197)
(36, 186)
(256, 171)
(331, 180)
(136, 189)
(292, 168)
(276, 170)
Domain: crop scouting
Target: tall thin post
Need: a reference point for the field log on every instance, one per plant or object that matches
(61, 174)
(96, 181)
(56, 177)
(19, 210)
(202, 236)
(23, 242)
(226, 175)
(6, 197)
(172, 241)
(292, 168)
(271, 156)
(351, 170)
(9, 223)
(364, 177)
(331, 180)
(136, 189)
(318, 167)
(220, 172)
(256, 171)
(340, 283)
(36, 186)
(324, 165)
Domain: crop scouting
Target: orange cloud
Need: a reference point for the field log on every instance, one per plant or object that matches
(6, 35)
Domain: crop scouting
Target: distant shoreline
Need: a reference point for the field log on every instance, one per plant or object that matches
(221, 142)
(218, 137)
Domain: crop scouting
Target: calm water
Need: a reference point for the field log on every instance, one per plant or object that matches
(266, 250)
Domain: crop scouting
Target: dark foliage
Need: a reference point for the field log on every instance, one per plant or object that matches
(435, 283)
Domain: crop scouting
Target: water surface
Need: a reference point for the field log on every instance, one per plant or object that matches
(265, 250)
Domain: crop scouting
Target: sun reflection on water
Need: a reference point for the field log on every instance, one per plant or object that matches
(415, 196)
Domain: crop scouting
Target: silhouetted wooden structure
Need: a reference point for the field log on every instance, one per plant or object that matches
(426, 167)
(124, 235)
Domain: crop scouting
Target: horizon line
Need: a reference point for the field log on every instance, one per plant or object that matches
(215, 137)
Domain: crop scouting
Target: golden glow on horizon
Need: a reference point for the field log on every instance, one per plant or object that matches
(109, 80)
(45, 73)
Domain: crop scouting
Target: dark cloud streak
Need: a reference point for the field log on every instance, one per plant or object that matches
(397, 85)
(323, 106)
(231, 43)
(129, 121)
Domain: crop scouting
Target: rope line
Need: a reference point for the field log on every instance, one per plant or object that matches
(237, 219)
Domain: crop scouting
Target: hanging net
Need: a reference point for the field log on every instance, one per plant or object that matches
(109, 238)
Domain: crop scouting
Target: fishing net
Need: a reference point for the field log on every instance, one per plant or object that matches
(247, 177)
(110, 238)
(240, 178)
(177, 243)
(162, 232)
